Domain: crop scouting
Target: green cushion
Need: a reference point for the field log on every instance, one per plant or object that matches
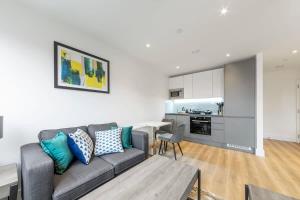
(57, 148)
(126, 136)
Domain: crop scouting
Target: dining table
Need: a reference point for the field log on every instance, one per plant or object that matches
(150, 127)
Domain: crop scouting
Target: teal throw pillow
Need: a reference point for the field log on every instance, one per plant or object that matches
(57, 148)
(126, 136)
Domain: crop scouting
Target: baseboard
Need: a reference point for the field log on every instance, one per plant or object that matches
(286, 139)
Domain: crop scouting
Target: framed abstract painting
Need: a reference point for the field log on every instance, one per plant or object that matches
(78, 70)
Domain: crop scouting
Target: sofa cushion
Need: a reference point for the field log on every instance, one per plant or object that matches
(123, 161)
(81, 145)
(57, 148)
(127, 137)
(80, 179)
(49, 134)
(92, 128)
(108, 141)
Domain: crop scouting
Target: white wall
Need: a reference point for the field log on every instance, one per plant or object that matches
(29, 101)
(280, 103)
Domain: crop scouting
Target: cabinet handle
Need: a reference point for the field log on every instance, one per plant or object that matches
(200, 121)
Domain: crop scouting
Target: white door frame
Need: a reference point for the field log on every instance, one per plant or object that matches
(298, 111)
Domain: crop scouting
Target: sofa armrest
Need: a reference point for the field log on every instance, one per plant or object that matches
(37, 170)
(140, 141)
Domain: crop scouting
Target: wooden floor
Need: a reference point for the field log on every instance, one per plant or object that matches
(225, 172)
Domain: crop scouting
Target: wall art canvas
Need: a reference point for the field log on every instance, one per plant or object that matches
(78, 70)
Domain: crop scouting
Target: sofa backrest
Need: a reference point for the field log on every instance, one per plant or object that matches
(92, 128)
(49, 134)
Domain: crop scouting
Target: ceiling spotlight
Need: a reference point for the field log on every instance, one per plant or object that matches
(227, 55)
(295, 51)
(196, 51)
(177, 67)
(224, 11)
(179, 30)
(148, 45)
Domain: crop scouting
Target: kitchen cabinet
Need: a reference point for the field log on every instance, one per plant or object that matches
(202, 85)
(218, 83)
(184, 119)
(174, 117)
(239, 104)
(188, 86)
(176, 82)
(218, 136)
(218, 130)
(199, 85)
(180, 119)
(240, 88)
(240, 131)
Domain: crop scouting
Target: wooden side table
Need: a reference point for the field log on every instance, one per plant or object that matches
(9, 179)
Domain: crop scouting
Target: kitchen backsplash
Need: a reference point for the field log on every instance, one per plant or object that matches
(196, 106)
(173, 107)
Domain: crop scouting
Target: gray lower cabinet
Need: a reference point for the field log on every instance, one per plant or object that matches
(184, 119)
(218, 136)
(174, 117)
(240, 131)
(217, 130)
(181, 119)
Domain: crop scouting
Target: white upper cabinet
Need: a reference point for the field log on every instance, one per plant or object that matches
(176, 82)
(207, 84)
(188, 86)
(202, 85)
(218, 82)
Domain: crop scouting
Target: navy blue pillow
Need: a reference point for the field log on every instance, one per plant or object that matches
(81, 145)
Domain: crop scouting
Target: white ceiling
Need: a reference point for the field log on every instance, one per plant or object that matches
(251, 26)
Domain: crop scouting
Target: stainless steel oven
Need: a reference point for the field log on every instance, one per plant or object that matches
(176, 93)
(200, 125)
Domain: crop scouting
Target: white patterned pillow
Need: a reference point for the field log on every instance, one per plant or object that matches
(81, 145)
(108, 141)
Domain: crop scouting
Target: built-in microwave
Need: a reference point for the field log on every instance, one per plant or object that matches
(176, 93)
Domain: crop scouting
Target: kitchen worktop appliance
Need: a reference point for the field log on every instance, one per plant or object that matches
(200, 125)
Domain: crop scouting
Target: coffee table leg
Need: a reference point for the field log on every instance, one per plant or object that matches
(199, 185)
(246, 192)
(13, 192)
(154, 140)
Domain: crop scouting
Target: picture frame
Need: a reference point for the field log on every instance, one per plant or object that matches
(75, 69)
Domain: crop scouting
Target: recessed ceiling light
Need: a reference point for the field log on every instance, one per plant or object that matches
(295, 51)
(196, 51)
(177, 67)
(224, 11)
(227, 55)
(179, 30)
(279, 66)
(148, 45)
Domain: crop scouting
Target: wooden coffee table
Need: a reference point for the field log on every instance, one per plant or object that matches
(158, 178)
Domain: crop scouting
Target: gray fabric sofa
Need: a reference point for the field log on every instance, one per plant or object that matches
(39, 182)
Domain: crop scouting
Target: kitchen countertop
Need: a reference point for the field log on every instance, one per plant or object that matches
(212, 115)
(191, 114)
